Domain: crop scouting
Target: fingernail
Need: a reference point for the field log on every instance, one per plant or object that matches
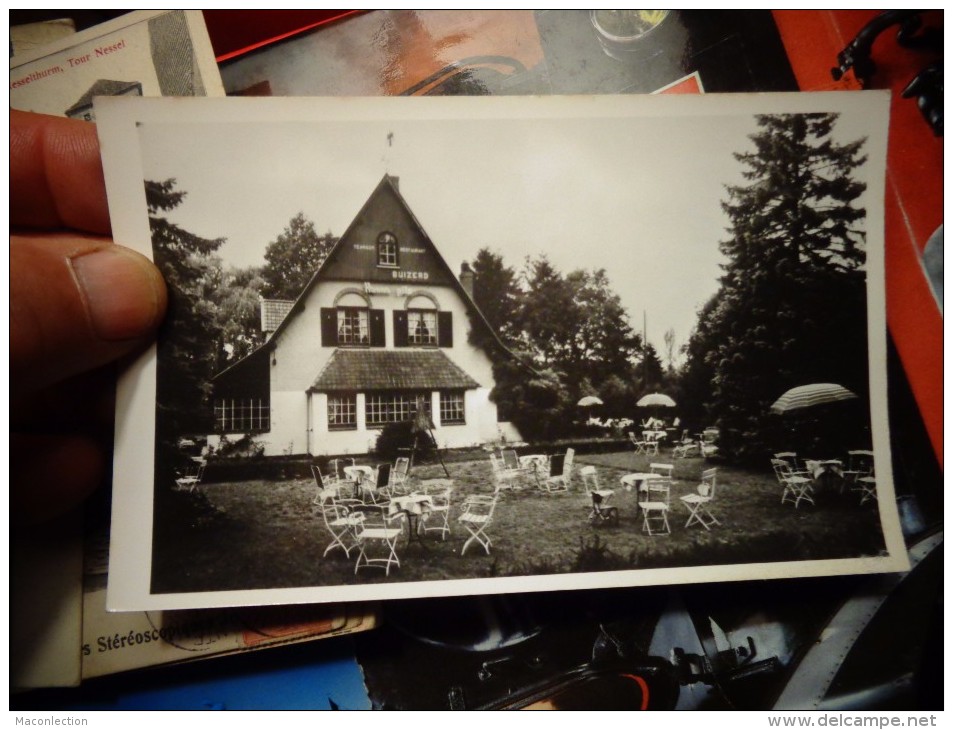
(120, 291)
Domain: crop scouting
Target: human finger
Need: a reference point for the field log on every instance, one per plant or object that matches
(52, 474)
(76, 303)
(56, 176)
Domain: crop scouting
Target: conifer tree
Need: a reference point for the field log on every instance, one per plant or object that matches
(791, 308)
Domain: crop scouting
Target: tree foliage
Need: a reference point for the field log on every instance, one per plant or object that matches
(573, 333)
(791, 308)
(187, 356)
(496, 292)
(293, 258)
(238, 316)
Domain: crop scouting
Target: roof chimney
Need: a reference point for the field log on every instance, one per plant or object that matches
(466, 278)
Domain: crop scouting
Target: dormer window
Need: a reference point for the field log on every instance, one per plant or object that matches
(387, 250)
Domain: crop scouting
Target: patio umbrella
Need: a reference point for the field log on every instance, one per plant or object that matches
(655, 399)
(806, 396)
(588, 401)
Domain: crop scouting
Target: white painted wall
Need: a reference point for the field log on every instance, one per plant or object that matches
(299, 358)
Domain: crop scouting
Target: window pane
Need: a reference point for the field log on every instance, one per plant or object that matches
(238, 414)
(353, 326)
(451, 408)
(422, 327)
(342, 412)
(383, 408)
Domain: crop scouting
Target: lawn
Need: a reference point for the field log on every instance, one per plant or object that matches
(268, 534)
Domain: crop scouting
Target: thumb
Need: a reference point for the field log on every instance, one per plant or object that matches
(76, 303)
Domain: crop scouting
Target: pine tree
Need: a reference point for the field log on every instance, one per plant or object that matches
(792, 304)
(187, 352)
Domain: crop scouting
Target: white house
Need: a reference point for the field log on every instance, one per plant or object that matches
(382, 325)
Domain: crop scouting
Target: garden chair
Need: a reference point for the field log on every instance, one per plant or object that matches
(376, 537)
(340, 488)
(867, 486)
(476, 518)
(192, 477)
(600, 511)
(504, 478)
(510, 459)
(373, 491)
(860, 464)
(638, 444)
(650, 442)
(685, 447)
(399, 476)
(437, 519)
(336, 469)
(560, 472)
(339, 520)
(790, 458)
(796, 488)
(601, 514)
(707, 445)
(663, 470)
(699, 501)
(861, 461)
(654, 503)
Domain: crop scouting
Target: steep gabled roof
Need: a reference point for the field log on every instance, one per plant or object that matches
(388, 183)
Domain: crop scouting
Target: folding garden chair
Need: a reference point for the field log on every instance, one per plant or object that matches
(336, 470)
(685, 447)
(699, 501)
(601, 514)
(476, 518)
(504, 478)
(560, 472)
(663, 470)
(654, 505)
(650, 442)
(340, 521)
(796, 488)
(399, 475)
(378, 487)
(437, 519)
(638, 444)
(600, 511)
(867, 486)
(193, 477)
(378, 533)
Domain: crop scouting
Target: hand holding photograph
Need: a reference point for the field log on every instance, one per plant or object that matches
(452, 346)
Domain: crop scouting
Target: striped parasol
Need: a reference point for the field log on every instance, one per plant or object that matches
(806, 396)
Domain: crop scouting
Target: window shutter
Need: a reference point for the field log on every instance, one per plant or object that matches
(445, 329)
(329, 327)
(377, 328)
(400, 328)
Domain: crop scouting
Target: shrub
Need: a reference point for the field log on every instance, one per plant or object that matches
(244, 448)
(397, 439)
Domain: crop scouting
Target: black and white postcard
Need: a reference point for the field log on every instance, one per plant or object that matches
(453, 346)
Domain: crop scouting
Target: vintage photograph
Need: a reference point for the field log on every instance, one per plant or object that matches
(422, 347)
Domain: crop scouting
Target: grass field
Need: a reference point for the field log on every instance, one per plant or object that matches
(268, 534)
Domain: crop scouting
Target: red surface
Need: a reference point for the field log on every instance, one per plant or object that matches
(235, 32)
(914, 204)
